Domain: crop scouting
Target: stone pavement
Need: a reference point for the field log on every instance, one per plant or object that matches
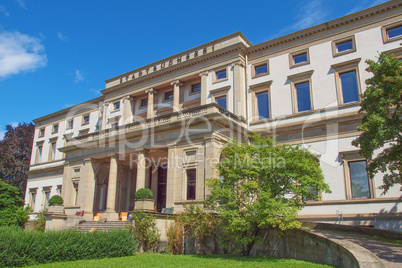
(390, 254)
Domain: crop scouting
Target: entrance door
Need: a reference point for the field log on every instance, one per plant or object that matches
(162, 178)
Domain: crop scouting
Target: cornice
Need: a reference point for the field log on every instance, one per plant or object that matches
(183, 65)
(327, 26)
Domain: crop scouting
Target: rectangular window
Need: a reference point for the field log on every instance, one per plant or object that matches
(32, 198)
(116, 106)
(359, 179)
(262, 103)
(196, 88)
(75, 184)
(85, 120)
(52, 150)
(42, 132)
(47, 197)
(221, 101)
(349, 86)
(303, 97)
(344, 46)
(70, 124)
(394, 32)
(261, 69)
(299, 58)
(143, 103)
(39, 154)
(191, 179)
(55, 128)
(221, 74)
(59, 187)
(168, 96)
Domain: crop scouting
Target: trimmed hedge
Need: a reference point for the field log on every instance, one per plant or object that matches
(20, 248)
(144, 194)
(56, 200)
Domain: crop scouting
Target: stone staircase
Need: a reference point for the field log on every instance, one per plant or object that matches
(109, 225)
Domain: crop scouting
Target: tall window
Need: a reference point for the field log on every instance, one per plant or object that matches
(52, 150)
(262, 104)
(47, 197)
(116, 106)
(39, 154)
(32, 198)
(191, 178)
(359, 179)
(303, 96)
(55, 128)
(75, 192)
(349, 86)
(70, 124)
(221, 101)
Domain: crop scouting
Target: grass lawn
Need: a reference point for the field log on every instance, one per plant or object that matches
(166, 260)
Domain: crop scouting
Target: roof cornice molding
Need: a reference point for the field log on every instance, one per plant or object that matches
(330, 25)
(240, 47)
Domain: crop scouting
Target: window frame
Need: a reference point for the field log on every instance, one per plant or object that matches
(55, 128)
(165, 94)
(299, 79)
(215, 75)
(40, 135)
(32, 200)
(68, 124)
(52, 150)
(344, 67)
(192, 92)
(219, 93)
(254, 67)
(145, 105)
(39, 153)
(83, 119)
(187, 183)
(258, 88)
(45, 202)
(292, 64)
(114, 106)
(384, 31)
(354, 156)
(335, 43)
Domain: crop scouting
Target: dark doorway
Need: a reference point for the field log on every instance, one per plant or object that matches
(162, 178)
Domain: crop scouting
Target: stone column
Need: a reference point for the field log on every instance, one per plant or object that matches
(111, 213)
(154, 184)
(212, 153)
(176, 95)
(127, 110)
(204, 87)
(239, 90)
(67, 185)
(141, 170)
(171, 190)
(104, 115)
(150, 110)
(88, 191)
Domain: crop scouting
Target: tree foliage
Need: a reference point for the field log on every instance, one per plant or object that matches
(15, 155)
(262, 184)
(12, 210)
(144, 230)
(382, 121)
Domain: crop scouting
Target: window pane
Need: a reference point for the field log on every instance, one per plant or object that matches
(221, 74)
(169, 95)
(344, 46)
(196, 88)
(300, 58)
(117, 105)
(359, 179)
(144, 102)
(394, 32)
(191, 175)
(261, 69)
(262, 105)
(221, 101)
(350, 89)
(303, 97)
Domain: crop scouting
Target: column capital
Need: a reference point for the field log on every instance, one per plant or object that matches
(176, 82)
(128, 97)
(239, 63)
(150, 91)
(204, 73)
(88, 160)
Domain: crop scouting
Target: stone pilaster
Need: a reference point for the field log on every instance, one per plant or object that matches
(88, 191)
(141, 170)
(239, 90)
(176, 95)
(204, 87)
(111, 213)
(67, 186)
(104, 114)
(171, 176)
(127, 110)
(150, 111)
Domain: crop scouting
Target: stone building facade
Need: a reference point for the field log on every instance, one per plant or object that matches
(162, 126)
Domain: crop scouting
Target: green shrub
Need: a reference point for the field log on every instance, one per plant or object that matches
(144, 230)
(12, 211)
(19, 247)
(56, 200)
(144, 194)
(40, 222)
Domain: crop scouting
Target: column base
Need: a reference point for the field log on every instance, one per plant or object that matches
(111, 216)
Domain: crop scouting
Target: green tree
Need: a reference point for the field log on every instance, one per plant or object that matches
(144, 230)
(262, 184)
(15, 155)
(381, 125)
(12, 210)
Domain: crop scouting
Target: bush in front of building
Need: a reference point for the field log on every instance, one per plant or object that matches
(144, 230)
(20, 248)
(144, 194)
(12, 211)
(56, 200)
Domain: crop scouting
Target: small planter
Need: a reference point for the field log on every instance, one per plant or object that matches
(144, 204)
(56, 209)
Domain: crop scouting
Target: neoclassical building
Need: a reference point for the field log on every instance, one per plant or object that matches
(162, 126)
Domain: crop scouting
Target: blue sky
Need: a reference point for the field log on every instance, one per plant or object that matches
(54, 54)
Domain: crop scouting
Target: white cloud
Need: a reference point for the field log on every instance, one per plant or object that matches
(68, 105)
(4, 11)
(21, 4)
(366, 4)
(61, 37)
(14, 124)
(96, 91)
(2, 132)
(79, 76)
(19, 53)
